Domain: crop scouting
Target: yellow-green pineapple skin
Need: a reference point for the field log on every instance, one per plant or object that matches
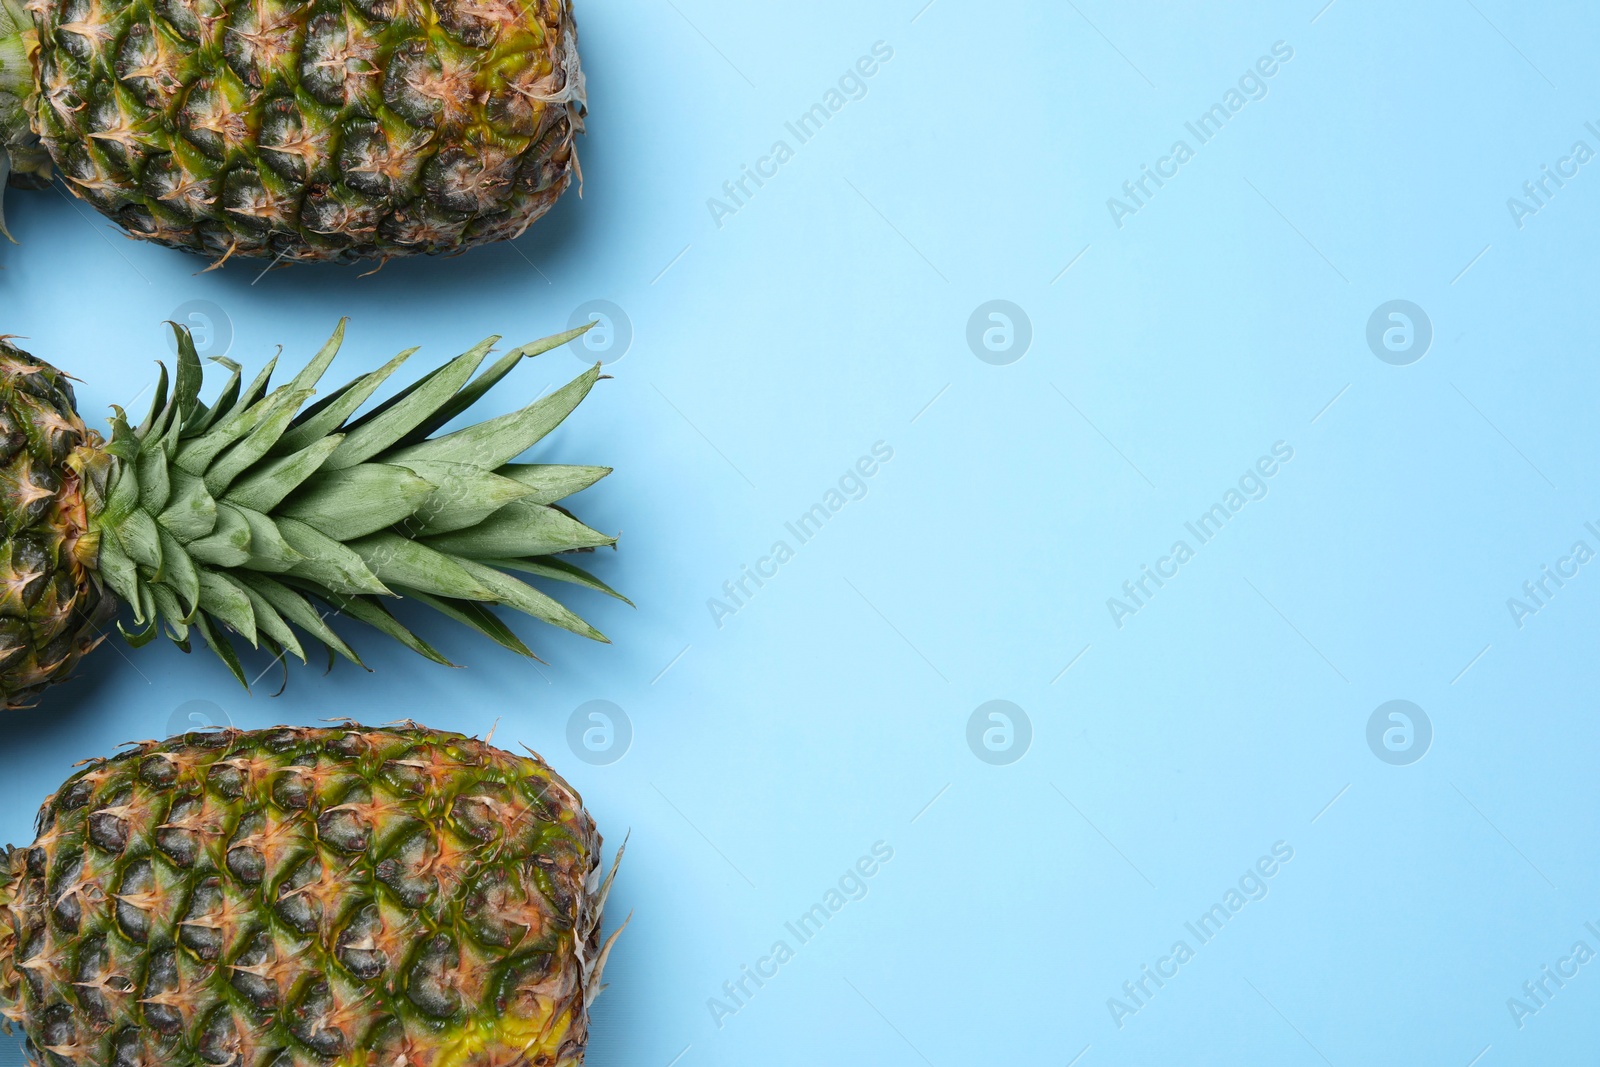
(311, 129)
(328, 897)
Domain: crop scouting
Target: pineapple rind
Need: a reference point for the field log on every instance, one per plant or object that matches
(309, 131)
(52, 610)
(304, 896)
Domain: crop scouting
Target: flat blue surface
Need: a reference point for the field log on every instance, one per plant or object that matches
(1177, 340)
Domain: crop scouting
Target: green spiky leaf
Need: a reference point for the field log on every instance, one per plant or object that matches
(5, 178)
(521, 529)
(558, 570)
(497, 441)
(356, 501)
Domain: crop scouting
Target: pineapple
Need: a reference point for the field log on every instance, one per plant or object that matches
(221, 520)
(286, 129)
(344, 897)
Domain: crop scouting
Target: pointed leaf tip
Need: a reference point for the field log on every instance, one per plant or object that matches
(5, 176)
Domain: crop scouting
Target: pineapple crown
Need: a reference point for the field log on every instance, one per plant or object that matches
(23, 160)
(222, 519)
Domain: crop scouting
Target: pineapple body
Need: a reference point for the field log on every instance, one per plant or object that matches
(288, 897)
(310, 129)
(52, 611)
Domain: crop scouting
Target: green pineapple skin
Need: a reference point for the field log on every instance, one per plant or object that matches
(306, 897)
(335, 130)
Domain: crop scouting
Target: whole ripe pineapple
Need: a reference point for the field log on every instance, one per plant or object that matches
(292, 129)
(223, 519)
(345, 897)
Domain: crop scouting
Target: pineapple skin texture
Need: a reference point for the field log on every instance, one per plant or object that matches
(333, 130)
(53, 610)
(353, 897)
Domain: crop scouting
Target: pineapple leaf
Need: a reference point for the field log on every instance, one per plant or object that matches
(186, 386)
(171, 615)
(119, 572)
(190, 511)
(470, 394)
(228, 543)
(475, 616)
(384, 427)
(312, 373)
(497, 441)
(551, 482)
(196, 456)
(298, 610)
(276, 651)
(140, 638)
(268, 549)
(374, 614)
(222, 647)
(328, 562)
(270, 624)
(238, 459)
(158, 401)
(177, 569)
(356, 501)
(406, 391)
(528, 600)
(167, 414)
(464, 496)
(521, 529)
(141, 538)
(558, 570)
(203, 418)
(265, 488)
(328, 414)
(124, 495)
(154, 482)
(398, 561)
(228, 601)
(257, 388)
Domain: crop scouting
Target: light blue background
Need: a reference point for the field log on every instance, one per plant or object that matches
(829, 712)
